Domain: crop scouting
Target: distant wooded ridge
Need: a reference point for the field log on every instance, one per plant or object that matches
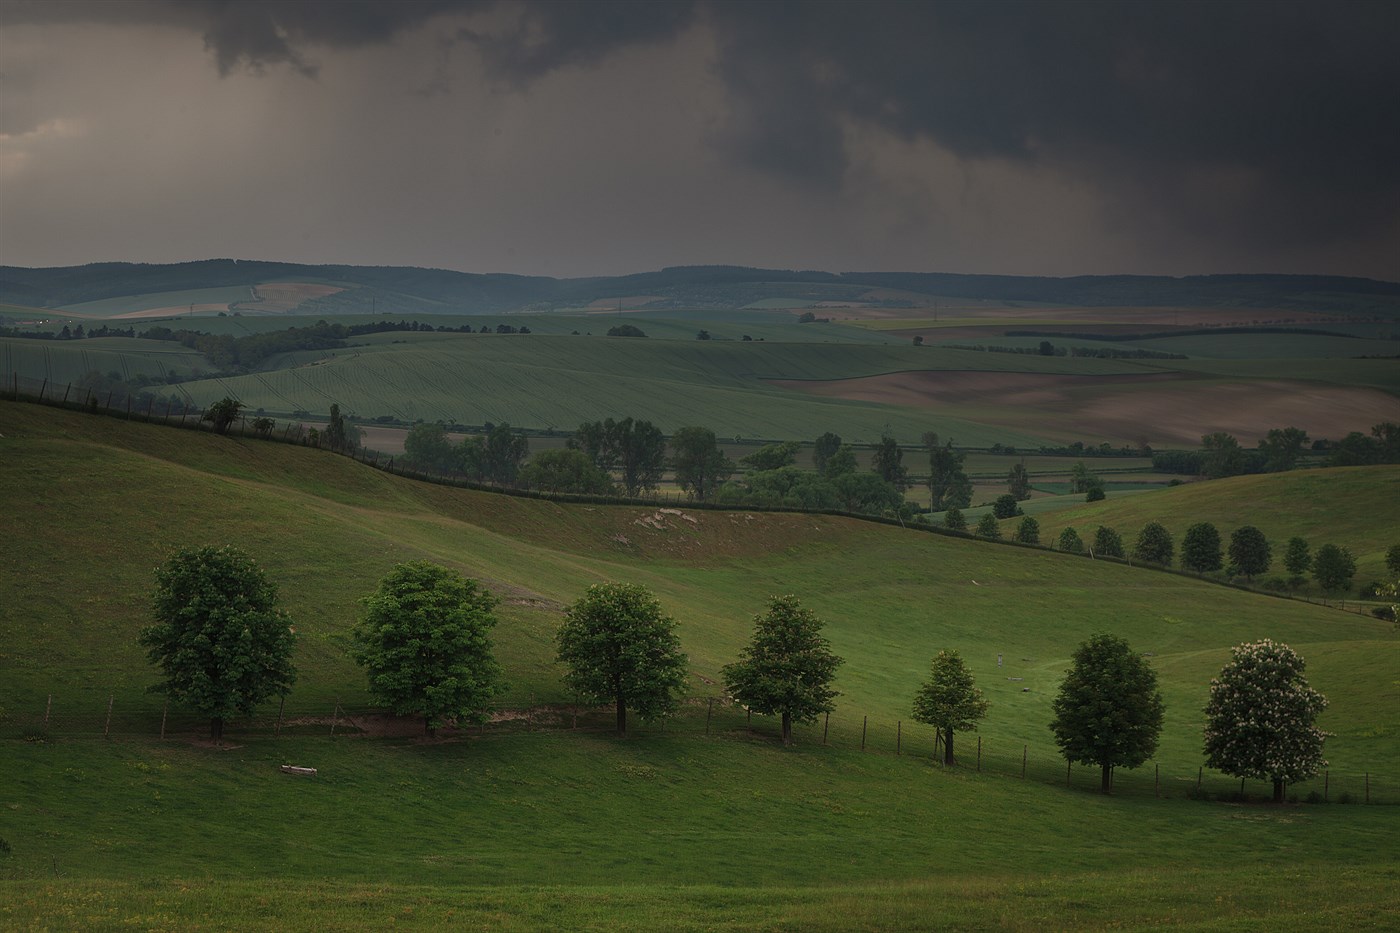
(424, 291)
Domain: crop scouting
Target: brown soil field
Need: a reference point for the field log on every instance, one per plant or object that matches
(1165, 409)
(171, 311)
(284, 296)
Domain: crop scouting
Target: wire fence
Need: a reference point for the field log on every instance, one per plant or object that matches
(89, 717)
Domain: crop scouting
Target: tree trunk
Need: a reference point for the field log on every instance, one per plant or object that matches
(787, 727)
(1106, 784)
(948, 747)
(1278, 790)
(216, 728)
(428, 726)
(621, 718)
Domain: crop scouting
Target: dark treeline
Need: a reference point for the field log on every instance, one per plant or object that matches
(1181, 332)
(234, 354)
(1101, 353)
(1221, 455)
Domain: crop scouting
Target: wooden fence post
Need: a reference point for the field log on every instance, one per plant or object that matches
(1199, 772)
(336, 718)
(1023, 761)
(864, 721)
(280, 707)
(163, 711)
(107, 729)
(47, 710)
(1156, 780)
(825, 726)
(1068, 764)
(898, 735)
(1326, 785)
(709, 711)
(979, 753)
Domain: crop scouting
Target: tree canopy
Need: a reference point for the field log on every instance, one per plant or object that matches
(424, 641)
(787, 667)
(1028, 531)
(636, 449)
(219, 639)
(888, 463)
(1333, 567)
(1297, 560)
(825, 446)
(701, 467)
(620, 647)
(1108, 711)
(1107, 542)
(987, 527)
(1200, 548)
(949, 700)
(565, 470)
(223, 413)
(948, 484)
(1154, 544)
(1250, 554)
(1070, 542)
(1260, 718)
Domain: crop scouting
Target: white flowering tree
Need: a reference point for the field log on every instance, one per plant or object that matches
(1260, 718)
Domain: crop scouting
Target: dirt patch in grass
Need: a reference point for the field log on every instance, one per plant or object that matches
(1165, 409)
(284, 296)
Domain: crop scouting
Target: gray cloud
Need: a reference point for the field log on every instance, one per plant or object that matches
(1272, 130)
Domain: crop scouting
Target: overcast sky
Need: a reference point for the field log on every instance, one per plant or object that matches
(609, 137)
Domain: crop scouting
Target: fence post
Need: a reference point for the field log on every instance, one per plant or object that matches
(336, 718)
(1326, 784)
(1023, 761)
(898, 735)
(1068, 764)
(163, 711)
(107, 729)
(280, 706)
(1156, 780)
(864, 720)
(65, 393)
(1368, 786)
(1199, 772)
(748, 719)
(825, 726)
(979, 753)
(47, 710)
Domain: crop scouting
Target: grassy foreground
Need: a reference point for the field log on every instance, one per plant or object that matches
(564, 829)
(580, 830)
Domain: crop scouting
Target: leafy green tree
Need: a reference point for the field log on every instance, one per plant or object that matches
(424, 641)
(502, 451)
(987, 527)
(620, 647)
(772, 456)
(1107, 542)
(787, 667)
(219, 639)
(841, 462)
(887, 463)
(1006, 506)
(636, 449)
(1297, 561)
(1108, 711)
(1392, 560)
(223, 413)
(1154, 545)
(954, 519)
(1070, 542)
(1250, 554)
(340, 435)
(1028, 532)
(701, 467)
(1333, 568)
(1223, 455)
(866, 492)
(1261, 715)
(564, 470)
(949, 700)
(1281, 448)
(625, 330)
(825, 446)
(1018, 482)
(1200, 548)
(1081, 479)
(426, 447)
(949, 487)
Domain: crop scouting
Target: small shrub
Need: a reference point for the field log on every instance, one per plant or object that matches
(36, 736)
(1345, 797)
(1313, 797)
(1384, 613)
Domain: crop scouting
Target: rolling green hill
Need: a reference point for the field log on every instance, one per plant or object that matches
(674, 829)
(1354, 507)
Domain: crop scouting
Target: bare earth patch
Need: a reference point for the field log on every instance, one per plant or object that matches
(279, 297)
(1162, 409)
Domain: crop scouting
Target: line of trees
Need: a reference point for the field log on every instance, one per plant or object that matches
(1221, 454)
(224, 647)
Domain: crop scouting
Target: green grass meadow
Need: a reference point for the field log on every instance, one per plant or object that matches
(535, 825)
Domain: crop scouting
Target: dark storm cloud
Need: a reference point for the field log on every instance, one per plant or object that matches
(1281, 118)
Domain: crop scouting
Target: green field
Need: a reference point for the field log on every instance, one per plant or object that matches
(1355, 507)
(126, 304)
(556, 828)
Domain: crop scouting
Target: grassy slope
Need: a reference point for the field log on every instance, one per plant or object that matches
(503, 810)
(1355, 507)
